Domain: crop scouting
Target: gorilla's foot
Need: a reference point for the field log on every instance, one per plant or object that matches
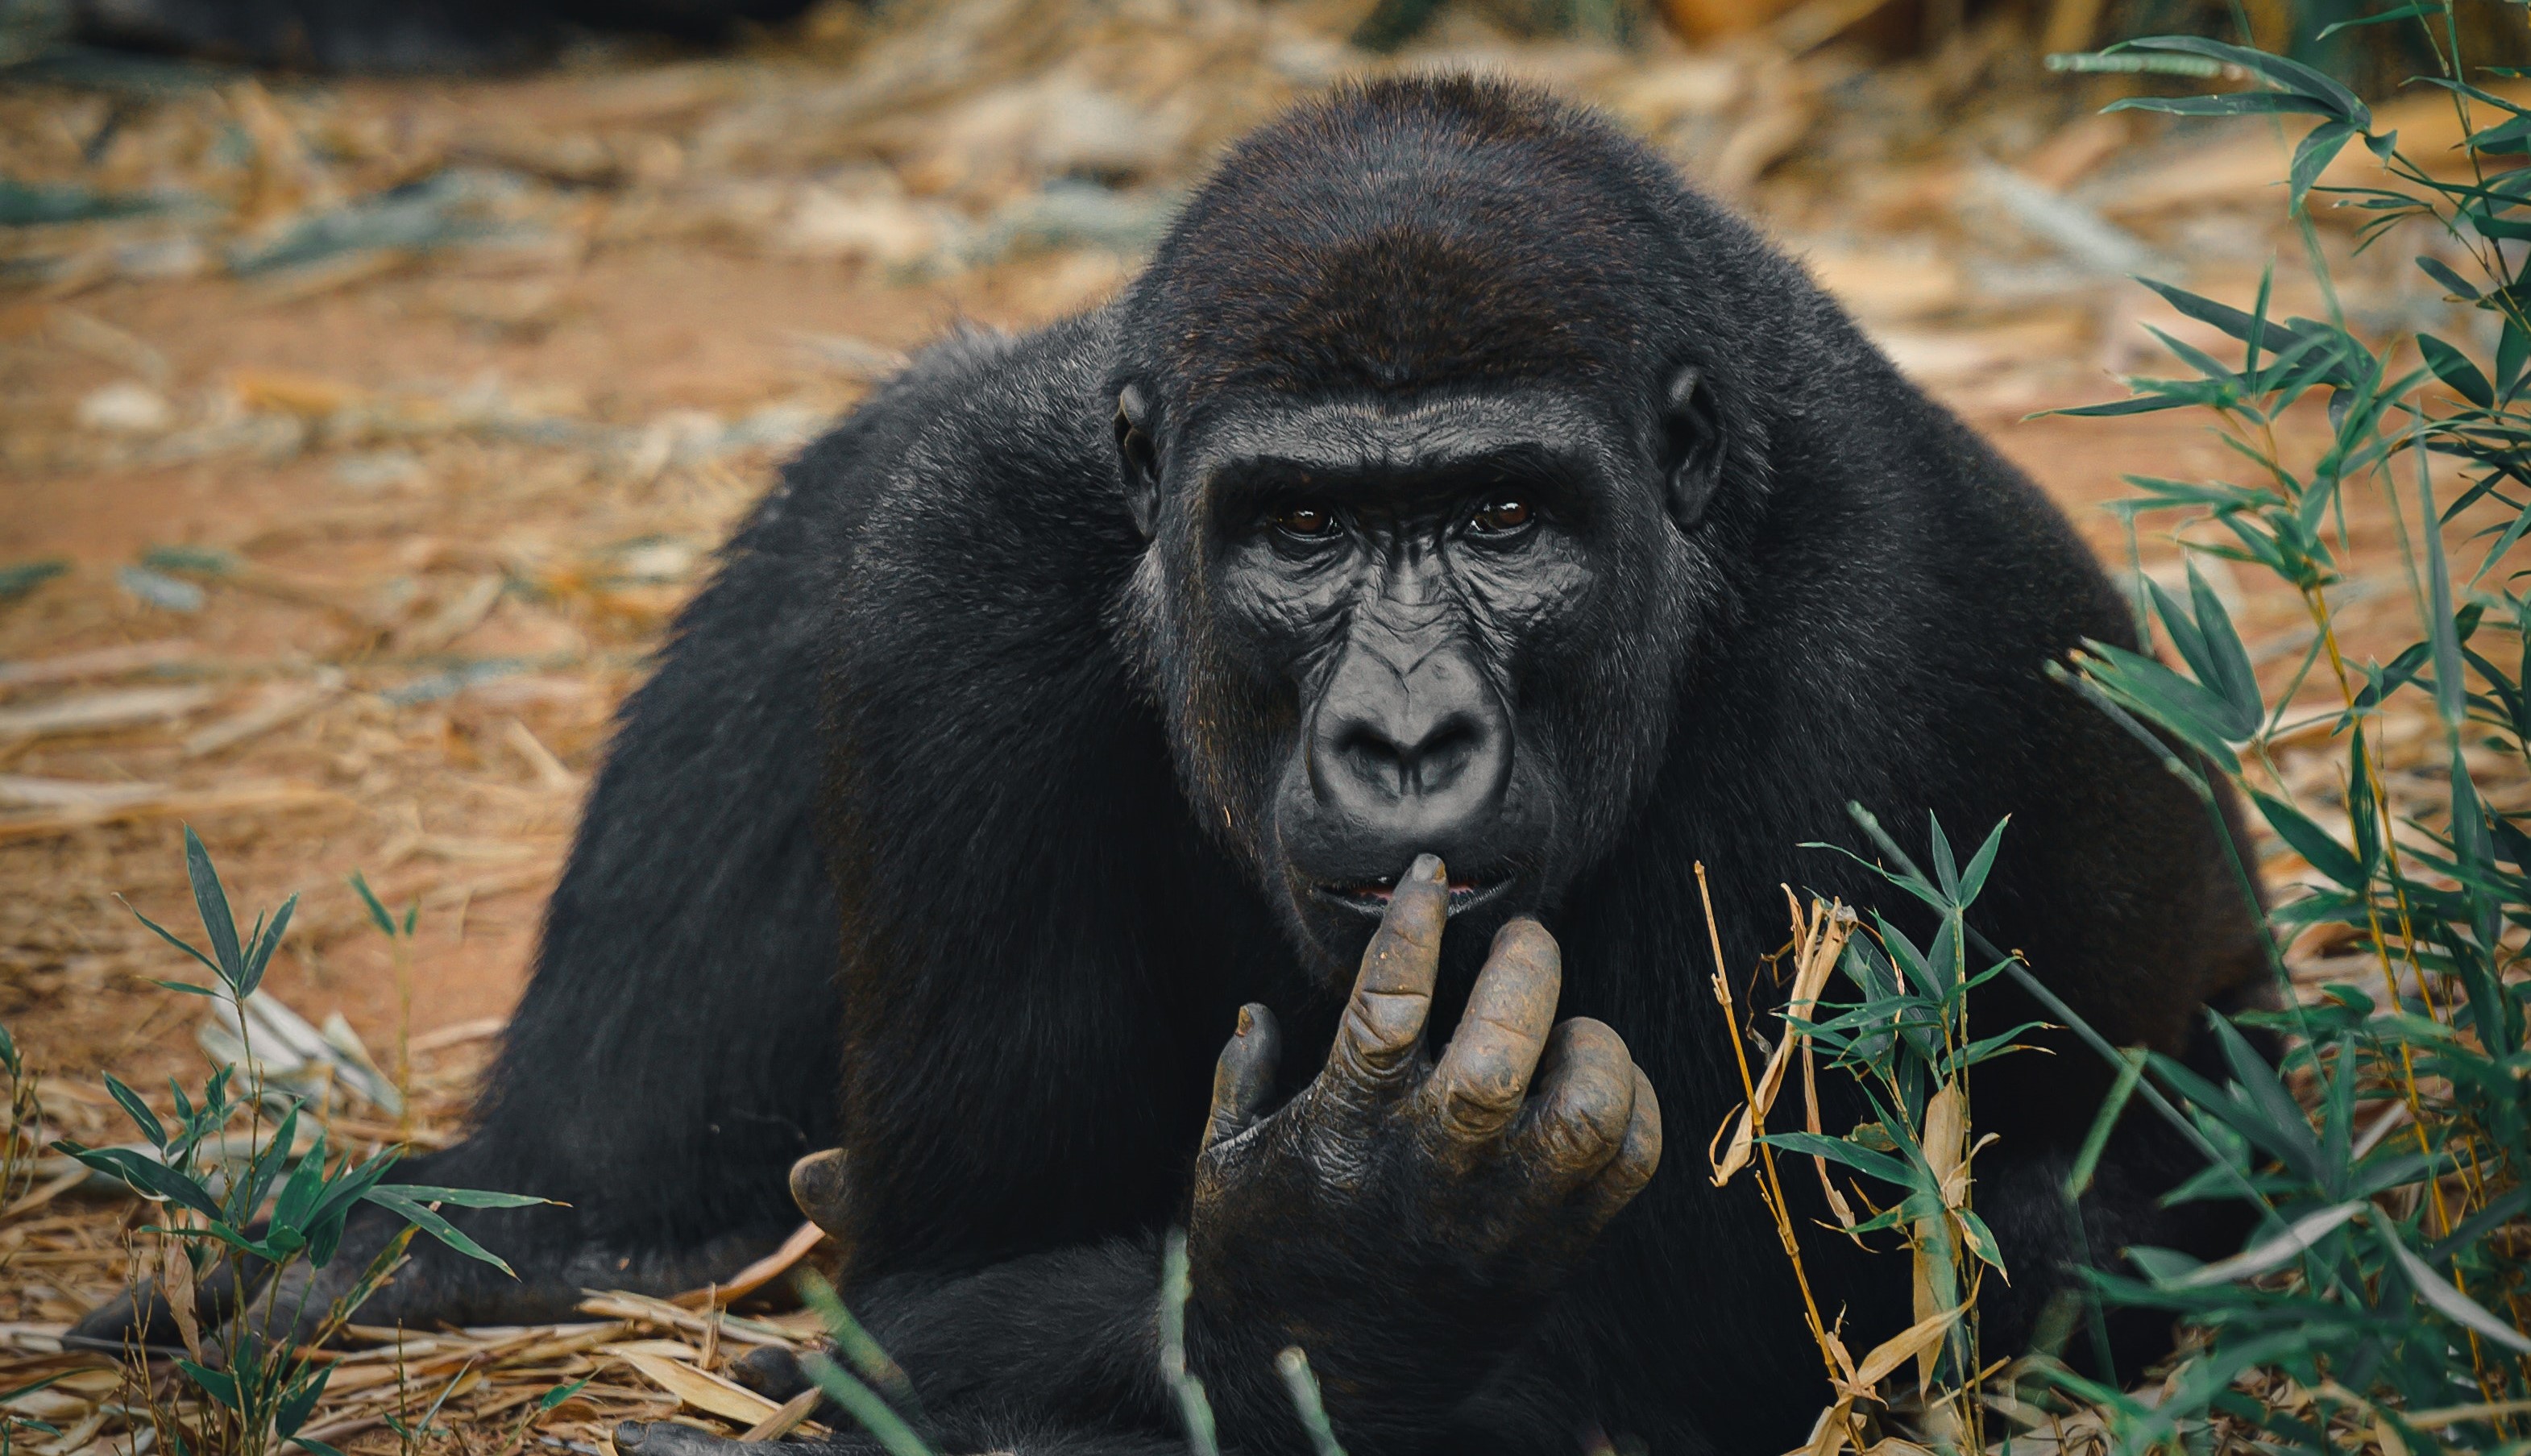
(435, 1286)
(141, 1313)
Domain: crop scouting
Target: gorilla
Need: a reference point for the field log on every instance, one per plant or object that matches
(397, 36)
(1349, 641)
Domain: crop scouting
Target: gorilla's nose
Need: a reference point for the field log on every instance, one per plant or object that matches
(1418, 749)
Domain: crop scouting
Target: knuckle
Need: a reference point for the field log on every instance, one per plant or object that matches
(1586, 1121)
(1478, 1103)
(1383, 1024)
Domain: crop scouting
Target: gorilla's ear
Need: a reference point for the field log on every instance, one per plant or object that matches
(1692, 447)
(1138, 458)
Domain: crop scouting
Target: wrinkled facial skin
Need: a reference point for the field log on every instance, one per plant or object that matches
(1383, 631)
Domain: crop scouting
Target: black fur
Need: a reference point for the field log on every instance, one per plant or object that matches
(1040, 824)
(397, 36)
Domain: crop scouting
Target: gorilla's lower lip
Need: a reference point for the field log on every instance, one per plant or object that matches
(1371, 898)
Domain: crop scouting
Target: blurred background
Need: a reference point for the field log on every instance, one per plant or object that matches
(376, 378)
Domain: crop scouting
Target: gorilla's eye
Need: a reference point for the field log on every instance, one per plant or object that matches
(1501, 517)
(1306, 523)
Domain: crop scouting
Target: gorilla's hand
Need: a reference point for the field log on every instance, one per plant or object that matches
(1398, 1203)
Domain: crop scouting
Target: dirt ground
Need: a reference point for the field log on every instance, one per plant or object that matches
(362, 545)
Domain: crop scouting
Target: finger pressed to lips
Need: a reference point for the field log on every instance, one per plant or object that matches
(1391, 997)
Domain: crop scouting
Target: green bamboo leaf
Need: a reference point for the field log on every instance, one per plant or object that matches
(137, 1110)
(461, 1198)
(2404, 12)
(2361, 812)
(2206, 364)
(2271, 1099)
(265, 944)
(2311, 841)
(219, 1385)
(2292, 77)
(438, 1227)
(1973, 880)
(2268, 334)
(301, 1399)
(2447, 1301)
(2273, 1252)
(2504, 548)
(211, 902)
(1982, 1242)
(338, 1196)
(2454, 367)
(2141, 405)
(175, 940)
(299, 1196)
(2505, 138)
(152, 1179)
(1836, 1150)
(2319, 147)
(560, 1394)
(256, 1180)
(2441, 272)
(379, 916)
(2230, 103)
(1946, 870)
(2173, 702)
(2086, 1160)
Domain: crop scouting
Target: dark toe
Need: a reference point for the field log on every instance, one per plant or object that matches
(666, 1439)
(770, 1372)
(819, 1186)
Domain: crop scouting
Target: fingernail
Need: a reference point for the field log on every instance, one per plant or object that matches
(1427, 867)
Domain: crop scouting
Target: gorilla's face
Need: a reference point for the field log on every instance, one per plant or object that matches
(1448, 626)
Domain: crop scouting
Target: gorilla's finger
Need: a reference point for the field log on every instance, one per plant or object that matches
(1384, 1022)
(1637, 1156)
(1585, 1102)
(819, 1187)
(665, 1438)
(1244, 1078)
(1485, 1069)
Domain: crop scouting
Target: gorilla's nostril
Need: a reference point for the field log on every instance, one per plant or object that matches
(1436, 763)
(1373, 756)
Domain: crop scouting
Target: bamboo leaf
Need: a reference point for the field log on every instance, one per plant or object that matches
(438, 1227)
(211, 902)
(2454, 367)
(2273, 1252)
(2447, 1301)
(2311, 841)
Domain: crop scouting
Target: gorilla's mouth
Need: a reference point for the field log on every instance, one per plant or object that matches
(1370, 897)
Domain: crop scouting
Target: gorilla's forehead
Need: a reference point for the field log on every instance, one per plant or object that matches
(1364, 435)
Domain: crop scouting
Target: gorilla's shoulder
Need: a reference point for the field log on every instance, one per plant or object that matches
(968, 427)
(972, 498)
